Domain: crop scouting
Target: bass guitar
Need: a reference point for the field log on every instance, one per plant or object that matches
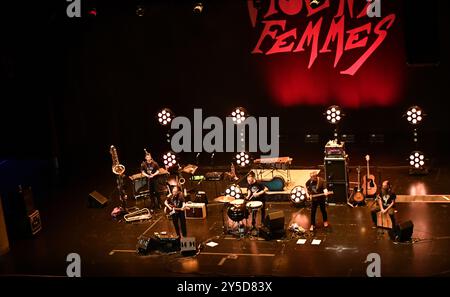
(321, 194)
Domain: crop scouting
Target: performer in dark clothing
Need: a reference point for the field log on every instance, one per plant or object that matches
(257, 191)
(150, 169)
(316, 185)
(384, 202)
(175, 205)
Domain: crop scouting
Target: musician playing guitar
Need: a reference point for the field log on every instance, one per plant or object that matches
(175, 206)
(256, 191)
(150, 169)
(315, 186)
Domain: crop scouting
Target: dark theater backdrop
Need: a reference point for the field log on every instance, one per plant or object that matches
(75, 86)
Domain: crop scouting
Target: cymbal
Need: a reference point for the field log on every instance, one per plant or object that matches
(224, 199)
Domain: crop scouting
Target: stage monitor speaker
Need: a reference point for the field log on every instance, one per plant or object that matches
(402, 232)
(143, 245)
(97, 200)
(340, 192)
(274, 221)
(336, 169)
(188, 245)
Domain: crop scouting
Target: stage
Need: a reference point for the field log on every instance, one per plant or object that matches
(108, 247)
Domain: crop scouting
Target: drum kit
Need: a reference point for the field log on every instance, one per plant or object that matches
(238, 210)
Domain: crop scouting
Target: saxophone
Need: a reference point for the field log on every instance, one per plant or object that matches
(117, 168)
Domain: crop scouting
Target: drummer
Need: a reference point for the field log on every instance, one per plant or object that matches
(256, 192)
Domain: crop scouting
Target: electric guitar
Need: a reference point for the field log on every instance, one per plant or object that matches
(170, 212)
(358, 196)
(369, 185)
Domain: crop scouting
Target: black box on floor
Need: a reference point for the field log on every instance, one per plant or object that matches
(402, 232)
(265, 233)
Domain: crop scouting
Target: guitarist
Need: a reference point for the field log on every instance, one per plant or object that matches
(385, 203)
(175, 204)
(150, 169)
(316, 185)
(256, 191)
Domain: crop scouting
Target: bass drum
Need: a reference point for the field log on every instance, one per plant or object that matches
(277, 183)
(237, 212)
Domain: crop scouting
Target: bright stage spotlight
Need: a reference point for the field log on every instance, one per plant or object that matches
(239, 114)
(298, 195)
(417, 160)
(414, 115)
(243, 159)
(170, 159)
(140, 10)
(165, 116)
(334, 114)
(314, 3)
(198, 8)
(234, 191)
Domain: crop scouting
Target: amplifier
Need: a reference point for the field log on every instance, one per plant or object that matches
(336, 169)
(333, 148)
(140, 185)
(195, 211)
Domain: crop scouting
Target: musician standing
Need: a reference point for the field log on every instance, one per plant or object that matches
(150, 169)
(176, 205)
(316, 185)
(256, 191)
(384, 202)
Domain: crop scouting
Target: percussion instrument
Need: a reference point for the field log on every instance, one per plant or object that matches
(254, 204)
(237, 202)
(281, 162)
(237, 212)
(224, 199)
(384, 220)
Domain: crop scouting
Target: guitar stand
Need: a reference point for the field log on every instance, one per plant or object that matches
(123, 197)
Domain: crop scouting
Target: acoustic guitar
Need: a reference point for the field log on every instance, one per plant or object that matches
(369, 185)
(358, 196)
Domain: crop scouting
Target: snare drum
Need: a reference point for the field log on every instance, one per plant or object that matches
(238, 202)
(254, 204)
